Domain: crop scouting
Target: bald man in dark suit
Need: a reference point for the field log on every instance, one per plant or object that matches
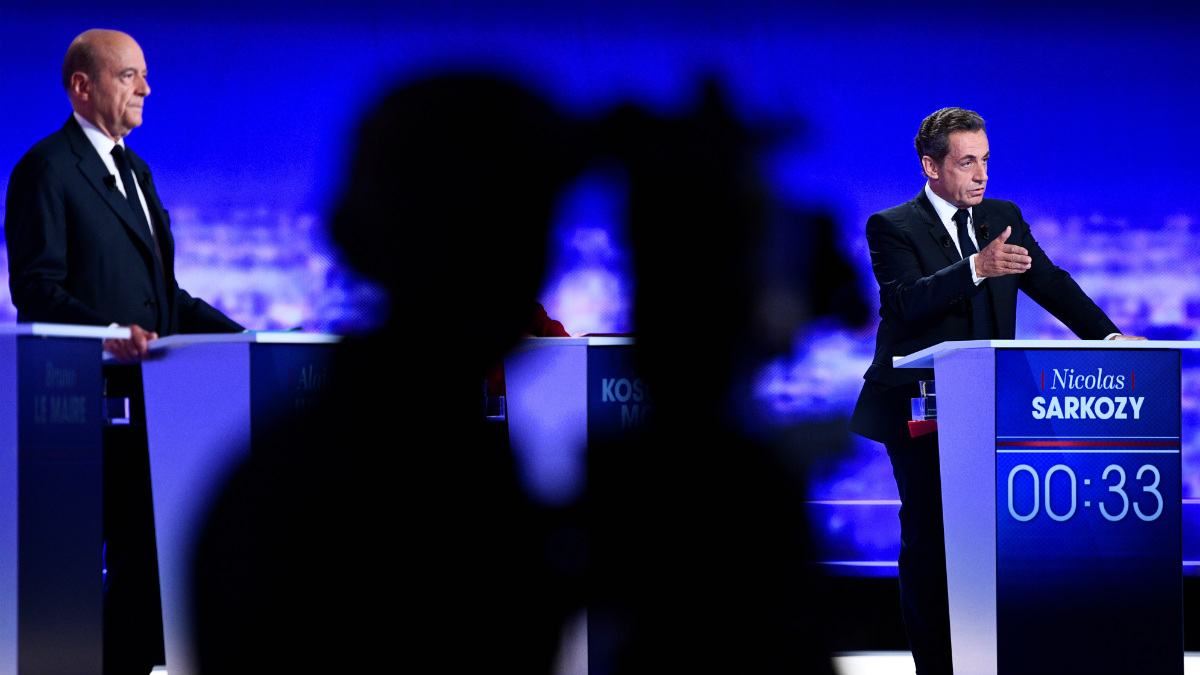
(90, 243)
(84, 246)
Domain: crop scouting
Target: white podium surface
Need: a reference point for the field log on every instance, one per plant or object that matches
(927, 357)
(65, 330)
(285, 337)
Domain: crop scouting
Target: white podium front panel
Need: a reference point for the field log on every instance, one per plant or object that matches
(560, 393)
(209, 399)
(966, 443)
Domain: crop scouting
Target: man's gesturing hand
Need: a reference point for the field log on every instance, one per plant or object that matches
(133, 349)
(997, 258)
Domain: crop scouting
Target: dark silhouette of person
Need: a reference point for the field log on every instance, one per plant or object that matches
(699, 551)
(387, 526)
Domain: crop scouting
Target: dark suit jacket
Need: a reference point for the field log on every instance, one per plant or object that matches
(925, 295)
(76, 254)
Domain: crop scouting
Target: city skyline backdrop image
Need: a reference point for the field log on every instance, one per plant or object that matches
(1089, 109)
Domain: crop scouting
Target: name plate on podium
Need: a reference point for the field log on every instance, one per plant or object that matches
(1088, 480)
(51, 498)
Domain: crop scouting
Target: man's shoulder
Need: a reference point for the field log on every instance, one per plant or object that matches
(60, 138)
(53, 147)
(999, 209)
(904, 209)
(900, 215)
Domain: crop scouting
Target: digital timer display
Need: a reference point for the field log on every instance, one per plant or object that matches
(1088, 499)
(1056, 513)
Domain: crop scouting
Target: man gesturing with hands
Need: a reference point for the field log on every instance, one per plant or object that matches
(949, 264)
(998, 258)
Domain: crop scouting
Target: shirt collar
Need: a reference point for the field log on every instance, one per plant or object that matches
(945, 209)
(100, 140)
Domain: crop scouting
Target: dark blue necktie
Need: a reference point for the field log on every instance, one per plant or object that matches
(131, 195)
(965, 245)
(982, 326)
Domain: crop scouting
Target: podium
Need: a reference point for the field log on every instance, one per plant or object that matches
(208, 399)
(1061, 498)
(562, 392)
(51, 498)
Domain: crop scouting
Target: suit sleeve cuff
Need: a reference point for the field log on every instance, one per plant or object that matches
(975, 278)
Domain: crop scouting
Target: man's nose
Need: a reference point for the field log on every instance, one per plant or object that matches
(981, 172)
(143, 87)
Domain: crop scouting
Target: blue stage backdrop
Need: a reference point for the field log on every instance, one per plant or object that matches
(1089, 109)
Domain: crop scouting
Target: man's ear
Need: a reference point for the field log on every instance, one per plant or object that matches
(931, 167)
(81, 85)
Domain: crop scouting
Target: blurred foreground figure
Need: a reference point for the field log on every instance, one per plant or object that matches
(699, 554)
(388, 528)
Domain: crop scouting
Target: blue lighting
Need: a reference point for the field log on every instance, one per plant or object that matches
(1089, 110)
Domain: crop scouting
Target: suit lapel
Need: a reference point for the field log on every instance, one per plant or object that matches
(937, 230)
(1002, 290)
(982, 231)
(161, 222)
(96, 173)
(141, 174)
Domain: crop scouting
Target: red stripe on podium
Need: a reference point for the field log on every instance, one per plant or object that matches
(1088, 444)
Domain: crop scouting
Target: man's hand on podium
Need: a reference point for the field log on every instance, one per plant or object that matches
(1118, 336)
(135, 348)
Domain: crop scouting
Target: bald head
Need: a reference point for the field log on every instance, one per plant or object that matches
(82, 55)
(104, 73)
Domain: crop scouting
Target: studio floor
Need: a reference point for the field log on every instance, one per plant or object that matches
(893, 663)
(901, 663)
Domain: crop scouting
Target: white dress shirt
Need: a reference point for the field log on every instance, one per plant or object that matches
(946, 211)
(104, 145)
